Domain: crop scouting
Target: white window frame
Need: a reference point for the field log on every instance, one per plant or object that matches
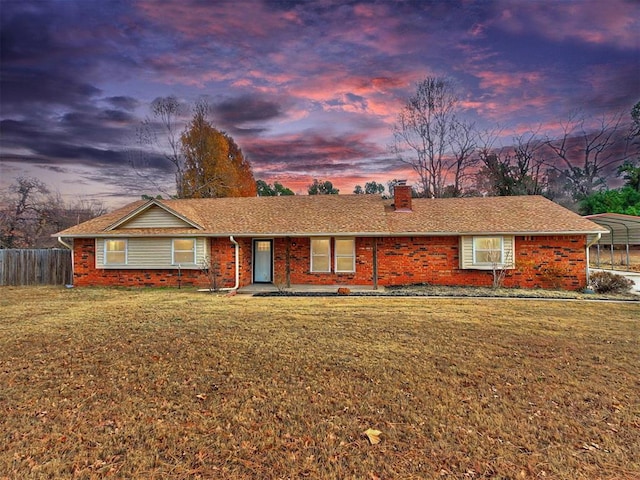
(351, 255)
(485, 237)
(173, 251)
(107, 251)
(327, 255)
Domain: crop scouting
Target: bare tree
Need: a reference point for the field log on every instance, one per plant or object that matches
(519, 169)
(463, 139)
(423, 134)
(160, 135)
(584, 154)
(529, 166)
(32, 213)
(20, 223)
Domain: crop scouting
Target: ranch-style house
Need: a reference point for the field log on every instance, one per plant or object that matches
(339, 240)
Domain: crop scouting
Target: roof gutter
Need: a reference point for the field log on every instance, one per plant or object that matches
(237, 261)
(62, 242)
(336, 234)
(595, 240)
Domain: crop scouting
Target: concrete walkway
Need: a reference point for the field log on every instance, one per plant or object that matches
(269, 287)
(633, 276)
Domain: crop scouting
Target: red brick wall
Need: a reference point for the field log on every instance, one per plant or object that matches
(541, 262)
(86, 274)
(300, 264)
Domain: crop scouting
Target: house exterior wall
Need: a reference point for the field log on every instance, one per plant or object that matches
(87, 274)
(541, 262)
(300, 263)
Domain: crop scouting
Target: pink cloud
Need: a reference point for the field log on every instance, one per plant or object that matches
(614, 22)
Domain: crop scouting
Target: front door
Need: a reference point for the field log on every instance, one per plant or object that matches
(262, 261)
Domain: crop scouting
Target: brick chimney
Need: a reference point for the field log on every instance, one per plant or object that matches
(402, 197)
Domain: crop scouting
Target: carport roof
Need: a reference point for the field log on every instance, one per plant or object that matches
(623, 229)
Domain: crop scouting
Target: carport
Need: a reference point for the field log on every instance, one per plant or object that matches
(624, 230)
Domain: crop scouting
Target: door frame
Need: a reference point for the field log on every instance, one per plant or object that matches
(253, 259)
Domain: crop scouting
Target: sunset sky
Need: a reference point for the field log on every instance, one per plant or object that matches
(308, 89)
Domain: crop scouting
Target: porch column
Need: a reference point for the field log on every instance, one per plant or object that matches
(287, 262)
(375, 263)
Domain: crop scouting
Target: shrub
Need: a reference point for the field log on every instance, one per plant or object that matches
(553, 275)
(607, 282)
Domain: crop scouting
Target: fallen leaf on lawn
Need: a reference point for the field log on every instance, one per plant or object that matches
(373, 435)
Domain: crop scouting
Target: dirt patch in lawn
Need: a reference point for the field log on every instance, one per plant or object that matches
(176, 384)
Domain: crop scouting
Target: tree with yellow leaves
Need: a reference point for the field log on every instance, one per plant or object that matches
(214, 165)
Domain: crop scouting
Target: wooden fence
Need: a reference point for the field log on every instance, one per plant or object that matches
(35, 266)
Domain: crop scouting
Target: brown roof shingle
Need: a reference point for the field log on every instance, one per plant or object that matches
(352, 214)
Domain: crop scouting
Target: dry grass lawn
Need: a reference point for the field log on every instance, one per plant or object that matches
(154, 384)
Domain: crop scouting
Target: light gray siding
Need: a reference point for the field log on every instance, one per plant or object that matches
(151, 253)
(466, 252)
(155, 217)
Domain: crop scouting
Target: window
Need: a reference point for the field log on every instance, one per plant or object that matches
(345, 255)
(488, 250)
(320, 255)
(184, 251)
(115, 252)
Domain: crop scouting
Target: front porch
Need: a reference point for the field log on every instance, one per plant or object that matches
(270, 287)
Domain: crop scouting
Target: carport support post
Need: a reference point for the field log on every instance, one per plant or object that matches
(628, 264)
(611, 251)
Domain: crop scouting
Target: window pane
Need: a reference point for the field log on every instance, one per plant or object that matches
(263, 246)
(115, 251)
(344, 246)
(344, 264)
(320, 250)
(183, 257)
(486, 257)
(487, 243)
(320, 263)
(320, 246)
(186, 244)
(487, 250)
(115, 257)
(115, 245)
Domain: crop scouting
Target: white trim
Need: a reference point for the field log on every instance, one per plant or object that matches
(328, 255)
(237, 260)
(173, 251)
(253, 257)
(126, 252)
(474, 250)
(352, 256)
(168, 233)
(467, 253)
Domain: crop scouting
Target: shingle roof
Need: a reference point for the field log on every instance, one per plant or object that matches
(351, 214)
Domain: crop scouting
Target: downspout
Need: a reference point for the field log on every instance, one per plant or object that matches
(589, 245)
(62, 242)
(237, 248)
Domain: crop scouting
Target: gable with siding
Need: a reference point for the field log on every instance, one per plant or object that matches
(155, 217)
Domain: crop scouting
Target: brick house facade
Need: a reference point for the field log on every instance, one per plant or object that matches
(364, 241)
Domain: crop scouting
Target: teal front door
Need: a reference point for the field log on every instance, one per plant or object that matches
(262, 261)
